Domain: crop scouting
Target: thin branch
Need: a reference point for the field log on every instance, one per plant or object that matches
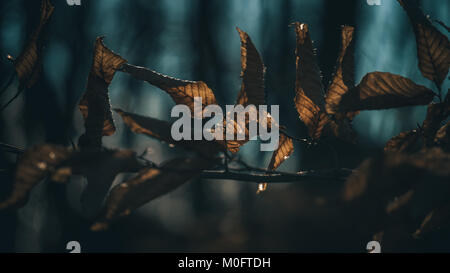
(258, 175)
(247, 173)
(301, 177)
(305, 140)
(19, 91)
(11, 149)
(443, 25)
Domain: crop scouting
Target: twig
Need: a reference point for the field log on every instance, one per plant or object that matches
(443, 25)
(11, 149)
(305, 176)
(19, 91)
(294, 138)
(258, 175)
(248, 173)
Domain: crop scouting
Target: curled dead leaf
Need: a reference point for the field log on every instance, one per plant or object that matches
(252, 74)
(403, 142)
(181, 91)
(161, 130)
(343, 79)
(284, 150)
(435, 220)
(33, 166)
(442, 137)
(390, 173)
(28, 64)
(149, 184)
(309, 95)
(383, 90)
(433, 48)
(95, 104)
(436, 114)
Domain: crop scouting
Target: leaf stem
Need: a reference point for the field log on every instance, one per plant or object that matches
(19, 91)
(304, 140)
(11, 149)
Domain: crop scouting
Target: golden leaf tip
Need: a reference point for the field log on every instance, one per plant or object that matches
(261, 188)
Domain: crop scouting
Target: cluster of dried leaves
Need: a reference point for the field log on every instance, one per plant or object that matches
(405, 190)
(325, 112)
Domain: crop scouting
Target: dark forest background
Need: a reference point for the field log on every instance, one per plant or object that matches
(197, 40)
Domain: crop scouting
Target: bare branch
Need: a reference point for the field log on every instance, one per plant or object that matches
(275, 177)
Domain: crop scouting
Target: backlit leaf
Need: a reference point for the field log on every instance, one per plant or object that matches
(95, 104)
(161, 130)
(251, 93)
(433, 48)
(284, 150)
(343, 79)
(309, 97)
(383, 90)
(181, 91)
(28, 64)
(252, 74)
(403, 142)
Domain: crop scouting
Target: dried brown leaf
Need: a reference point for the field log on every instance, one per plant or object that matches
(284, 150)
(149, 184)
(399, 202)
(58, 163)
(252, 74)
(435, 220)
(343, 79)
(340, 127)
(95, 104)
(181, 91)
(390, 174)
(383, 90)
(251, 93)
(100, 170)
(161, 130)
(309, 97)
(28, 64)
(34, 165)
(433, 48)
(442, 137)
(403, 142)
(436, 114)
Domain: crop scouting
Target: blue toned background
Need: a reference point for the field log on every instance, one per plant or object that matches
(197, 40)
